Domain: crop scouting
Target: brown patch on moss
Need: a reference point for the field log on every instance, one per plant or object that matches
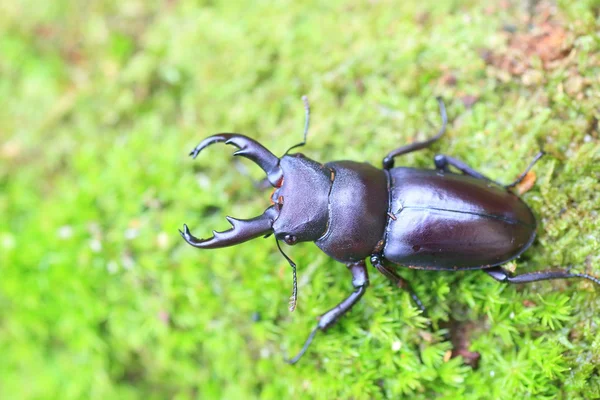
(460, 336)
(548, 42)
(461, 340)
(469, 100)
(528, 303)
(542, 37)
(448, 79)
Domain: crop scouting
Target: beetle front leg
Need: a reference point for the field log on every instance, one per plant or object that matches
(397, 280)
(503, 275)
(360, 281)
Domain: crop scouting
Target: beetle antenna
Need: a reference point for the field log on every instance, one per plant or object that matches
(294, 297)
(306, 122)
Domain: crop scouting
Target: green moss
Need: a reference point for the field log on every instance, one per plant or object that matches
(100, 103)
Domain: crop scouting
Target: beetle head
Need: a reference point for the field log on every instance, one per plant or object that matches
(299, 210)
(302, 200)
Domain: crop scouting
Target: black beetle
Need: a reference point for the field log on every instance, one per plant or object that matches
(423, 219)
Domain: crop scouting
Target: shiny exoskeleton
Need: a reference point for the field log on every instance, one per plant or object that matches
(423, 219)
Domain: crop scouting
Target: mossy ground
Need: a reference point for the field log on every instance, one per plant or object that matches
(101, 101)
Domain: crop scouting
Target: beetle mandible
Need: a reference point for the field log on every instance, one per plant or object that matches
(419, 218)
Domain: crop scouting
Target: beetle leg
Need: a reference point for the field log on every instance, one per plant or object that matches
(388, 161)
(397, 280)
(442, 162)
(360, 281)
(502, 275)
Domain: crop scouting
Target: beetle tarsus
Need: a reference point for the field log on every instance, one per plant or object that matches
(307, 343)
(360, 281)
(503, 275)
(524, 174)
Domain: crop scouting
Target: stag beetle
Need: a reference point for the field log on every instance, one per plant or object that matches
(418, 218)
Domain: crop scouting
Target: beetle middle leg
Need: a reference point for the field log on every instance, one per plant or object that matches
(503, 275)
(397, 280)
(360, 281)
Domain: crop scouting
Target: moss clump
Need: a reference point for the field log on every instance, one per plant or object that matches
(100, 102)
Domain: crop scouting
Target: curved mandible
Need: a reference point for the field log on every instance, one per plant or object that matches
(241, 230)
(250, 149)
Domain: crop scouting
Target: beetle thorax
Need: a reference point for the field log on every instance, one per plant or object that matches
(357, 213)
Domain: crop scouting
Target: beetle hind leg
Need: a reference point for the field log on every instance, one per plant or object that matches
(397, 280)
(360, 281)
(502, 275)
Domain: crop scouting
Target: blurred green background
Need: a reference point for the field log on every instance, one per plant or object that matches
(102, 100)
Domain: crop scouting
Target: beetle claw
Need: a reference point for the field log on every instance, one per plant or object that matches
(186, 235)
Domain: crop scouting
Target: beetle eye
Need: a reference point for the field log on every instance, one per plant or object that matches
(290, 239)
